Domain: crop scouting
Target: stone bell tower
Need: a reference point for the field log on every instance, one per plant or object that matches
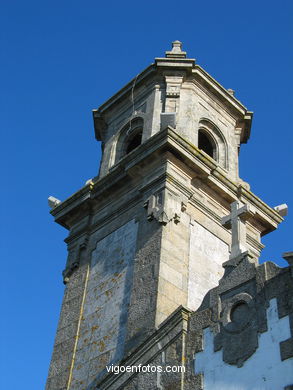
(145, 235)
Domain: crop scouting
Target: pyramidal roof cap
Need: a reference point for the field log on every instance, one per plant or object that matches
(176, 59)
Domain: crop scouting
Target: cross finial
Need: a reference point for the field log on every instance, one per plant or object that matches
(176, 51)
(236, 222)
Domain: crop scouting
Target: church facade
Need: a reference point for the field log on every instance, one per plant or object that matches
(163, 246)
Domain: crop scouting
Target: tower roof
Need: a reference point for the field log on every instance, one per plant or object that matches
(176, 60)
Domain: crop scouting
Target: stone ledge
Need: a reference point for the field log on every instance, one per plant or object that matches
(166, 140)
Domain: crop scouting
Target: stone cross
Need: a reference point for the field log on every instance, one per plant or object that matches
(236, 222)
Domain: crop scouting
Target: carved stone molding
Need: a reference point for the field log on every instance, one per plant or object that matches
(173, 85)
(238, 335)
(74, 258)
(69, 271)
(164, 206)
(237, 313)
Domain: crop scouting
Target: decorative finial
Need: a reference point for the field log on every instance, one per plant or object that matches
(282, 209)
(176, 51)
(53, 202)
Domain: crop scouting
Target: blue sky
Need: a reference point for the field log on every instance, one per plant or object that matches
(60, 60)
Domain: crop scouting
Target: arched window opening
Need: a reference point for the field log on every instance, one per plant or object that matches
(206, 144)
(134, 142)
(129, 138)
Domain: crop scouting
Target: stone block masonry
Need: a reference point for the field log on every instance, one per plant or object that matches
(264, 370)
(104, 315)
(207, 254)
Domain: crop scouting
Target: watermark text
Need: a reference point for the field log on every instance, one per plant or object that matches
(144, 368)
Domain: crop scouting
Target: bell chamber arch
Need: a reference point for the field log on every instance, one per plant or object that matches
(129, 138)
(211, 140)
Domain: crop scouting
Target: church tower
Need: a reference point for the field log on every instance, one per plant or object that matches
(146, 235)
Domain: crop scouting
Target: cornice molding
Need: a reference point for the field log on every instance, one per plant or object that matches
(200, 163)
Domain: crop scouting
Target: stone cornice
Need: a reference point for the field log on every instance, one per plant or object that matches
(197, 71)
(98, 114)
(244, 117)
(208, 79)
(194, 72)
(181, 63)
(129, 167)
(127, 88)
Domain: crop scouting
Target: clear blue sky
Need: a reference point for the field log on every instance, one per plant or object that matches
(59, 60)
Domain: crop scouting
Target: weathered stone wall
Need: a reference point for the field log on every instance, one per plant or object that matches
(69, 321)
(144, 291)
(166, 346)
(264, 370)
(241, 336)
(170, 356)
(147, 105)
(239, 339)
(207, 254)
(173, 272)
(195, 106)
(104, 316)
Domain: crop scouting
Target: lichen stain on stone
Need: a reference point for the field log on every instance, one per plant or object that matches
(95, 327)
(101, 346)
(108, 293)
(116, 277)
